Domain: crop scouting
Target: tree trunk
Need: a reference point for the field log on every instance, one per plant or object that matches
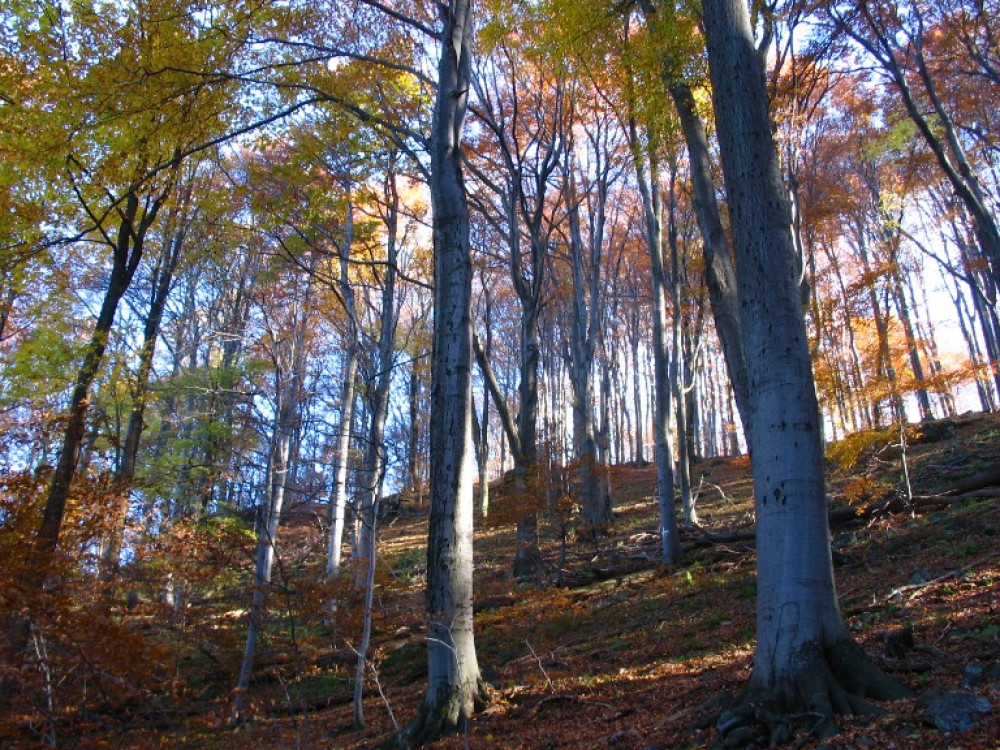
(378, 392)
(586, 271)
(649, 189)
(162, 282)
(454, 686)
(720, 275)
(482, 450)
(342, 452)
(127, 253)
(806, 660)
(289, 389)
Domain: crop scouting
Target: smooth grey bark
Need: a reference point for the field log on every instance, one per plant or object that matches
(652, 203)
(585, 265)
(638, 455)
(482, 428)
(379, 383)
(372, 470)
(806, 659)
(678, 362)
(289, 380)
(720, 274)
(342, 450)
(454, 686)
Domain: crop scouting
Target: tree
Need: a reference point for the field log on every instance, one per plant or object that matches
(289, 355)
(587, 195)
(900, 40)
(652, 202)
(161, 282)
(523, 106)
(806, 659)
(454, 686)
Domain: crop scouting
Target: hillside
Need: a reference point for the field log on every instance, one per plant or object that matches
(625, 653)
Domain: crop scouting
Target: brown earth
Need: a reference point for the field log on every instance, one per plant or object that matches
(626, 653)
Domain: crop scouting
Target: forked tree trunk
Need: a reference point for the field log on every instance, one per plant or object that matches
(806, 659)
(454, 686)
(135, 221)
(162, 283)
(586, 270)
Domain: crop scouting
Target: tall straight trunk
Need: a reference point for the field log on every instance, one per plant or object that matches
(289, 389)
(342, 451)
(720, 276)
(649, 190)
(604, 433)
(482, 450)
(454, 685)
(341, 458)
(373, 468)
(638, 455)
(806, 659)
(677, 361)
(585, 260)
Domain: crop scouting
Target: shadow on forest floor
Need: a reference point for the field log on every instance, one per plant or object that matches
(626, 654)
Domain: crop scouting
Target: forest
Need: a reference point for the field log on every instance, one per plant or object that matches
(387, 373)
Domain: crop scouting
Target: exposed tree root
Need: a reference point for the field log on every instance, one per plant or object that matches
(837, 681)
(444, 716)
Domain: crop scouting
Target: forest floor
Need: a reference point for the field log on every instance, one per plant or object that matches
(613, 649)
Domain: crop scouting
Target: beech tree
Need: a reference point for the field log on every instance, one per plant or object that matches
(454, 686)
(806, 659)
(523, 106)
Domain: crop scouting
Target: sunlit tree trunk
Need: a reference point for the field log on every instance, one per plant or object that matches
(454, 685)
(649, 190)
(342, 450)
(806, 659)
